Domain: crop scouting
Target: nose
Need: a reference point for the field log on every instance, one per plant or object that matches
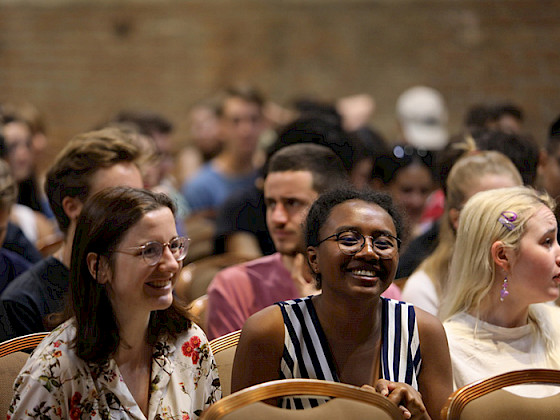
(168, 261)
(368, 250)
(278, 214)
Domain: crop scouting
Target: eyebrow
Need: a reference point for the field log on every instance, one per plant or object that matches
(355, 229)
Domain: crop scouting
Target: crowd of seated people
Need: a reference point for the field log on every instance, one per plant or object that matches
(328, 213)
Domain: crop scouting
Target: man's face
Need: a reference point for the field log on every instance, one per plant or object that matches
(241, 125)
(123, 174)
(19, 153)
(288, 196)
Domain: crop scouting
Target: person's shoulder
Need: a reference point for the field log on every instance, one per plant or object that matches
(57, 349)
(33, 279)
(265, 326)
(239, 272)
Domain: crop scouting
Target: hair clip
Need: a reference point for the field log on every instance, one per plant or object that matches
(507, 218)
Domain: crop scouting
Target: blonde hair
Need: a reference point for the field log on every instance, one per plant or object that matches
(465, 175)
(473, 272)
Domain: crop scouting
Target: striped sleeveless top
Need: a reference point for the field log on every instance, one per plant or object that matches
(307, 353)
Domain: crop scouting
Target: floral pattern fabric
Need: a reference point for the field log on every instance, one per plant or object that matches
(56, 384)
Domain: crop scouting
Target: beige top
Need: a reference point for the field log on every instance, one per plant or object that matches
(480, 350)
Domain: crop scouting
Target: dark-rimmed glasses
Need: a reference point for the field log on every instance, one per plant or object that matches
(153, 251)
(351, 242)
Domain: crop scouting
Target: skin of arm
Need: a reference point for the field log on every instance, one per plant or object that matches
(259, 351)
(435, 381)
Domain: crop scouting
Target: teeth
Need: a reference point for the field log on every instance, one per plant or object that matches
(159, 283)
(366, 273)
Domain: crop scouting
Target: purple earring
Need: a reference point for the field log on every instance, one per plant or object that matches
(504, 292)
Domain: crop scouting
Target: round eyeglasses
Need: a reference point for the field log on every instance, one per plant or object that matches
(153, 251)
(351, 242)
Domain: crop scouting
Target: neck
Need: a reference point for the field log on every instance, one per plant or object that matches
(133, 331)
(508, 314)
(231, 163)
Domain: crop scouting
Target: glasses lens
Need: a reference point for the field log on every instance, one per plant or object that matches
(385, 246)
(350, 242)
(178, 248)
(152, 252)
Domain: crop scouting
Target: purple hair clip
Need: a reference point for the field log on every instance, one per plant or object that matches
(507, 218)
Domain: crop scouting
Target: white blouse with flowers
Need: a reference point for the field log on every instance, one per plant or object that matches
(55, 383)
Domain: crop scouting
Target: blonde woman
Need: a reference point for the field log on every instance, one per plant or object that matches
(505, 269)
(474, 172)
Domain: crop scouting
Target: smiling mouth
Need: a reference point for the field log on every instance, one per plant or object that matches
(364, 273)
(159, 284)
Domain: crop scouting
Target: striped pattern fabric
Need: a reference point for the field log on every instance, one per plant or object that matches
(307, 353)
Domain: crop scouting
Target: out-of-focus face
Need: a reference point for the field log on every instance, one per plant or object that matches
(123, 174)
(288, 197)
(363, 274)
(509, 124)
(241, 125)
(204, 130)
(18, 140)
(360, 175)
(134, 286)
(535, 269)
(484, 183)
(410, 189)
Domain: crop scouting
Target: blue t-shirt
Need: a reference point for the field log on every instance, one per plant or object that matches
(210, 188)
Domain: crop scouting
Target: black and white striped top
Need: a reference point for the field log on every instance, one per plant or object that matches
(307, 353)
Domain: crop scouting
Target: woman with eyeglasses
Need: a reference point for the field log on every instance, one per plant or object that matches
(349, 333)
(128, 350)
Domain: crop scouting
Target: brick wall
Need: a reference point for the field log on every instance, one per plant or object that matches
(80, 61)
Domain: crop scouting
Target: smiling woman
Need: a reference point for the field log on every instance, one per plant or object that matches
(128, 349)
(349, 333)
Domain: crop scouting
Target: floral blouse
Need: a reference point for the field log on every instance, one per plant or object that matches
(56, 384)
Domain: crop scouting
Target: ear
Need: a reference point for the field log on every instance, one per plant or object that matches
(93, 260)
(312, 259)
(501, 256)
(454, 218)
(72, 207)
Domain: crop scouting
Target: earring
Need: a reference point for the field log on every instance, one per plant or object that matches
(504, 292)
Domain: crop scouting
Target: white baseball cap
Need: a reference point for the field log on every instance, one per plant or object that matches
(422, 114)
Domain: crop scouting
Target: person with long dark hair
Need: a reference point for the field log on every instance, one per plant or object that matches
(128, 349)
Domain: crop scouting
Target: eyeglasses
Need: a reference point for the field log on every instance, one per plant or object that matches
(153, 251)
(351, 242)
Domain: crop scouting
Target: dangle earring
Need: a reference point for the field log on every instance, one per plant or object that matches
(504, 292)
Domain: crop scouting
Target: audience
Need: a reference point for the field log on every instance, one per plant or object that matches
(549, 164)
(88, 163)
(128, 349)
(349, 333)
(507, 266)
(296, 175)
(233, 169)
(406, 173)
(476, 171)
(11, 264)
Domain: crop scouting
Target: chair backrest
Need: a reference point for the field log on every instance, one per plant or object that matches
(12, 359)
(224, 348)
(10, 366)
(195, 277)
(198, 309)
(25, 342)
(487, 399)
(350, 402)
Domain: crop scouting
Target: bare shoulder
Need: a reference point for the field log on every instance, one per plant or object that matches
(429, 326)
(264, 328)
(260, 348)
